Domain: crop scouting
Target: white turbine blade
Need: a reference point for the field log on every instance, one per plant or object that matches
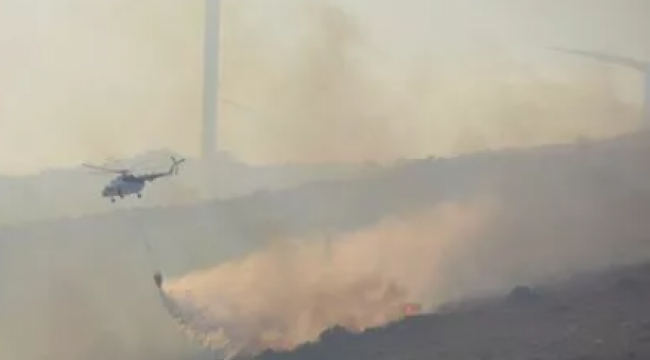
(608, 58)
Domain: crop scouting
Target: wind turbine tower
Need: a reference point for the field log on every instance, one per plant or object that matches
(211, 40)
(642, 66)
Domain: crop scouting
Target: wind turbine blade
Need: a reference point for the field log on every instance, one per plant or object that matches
(608, 58)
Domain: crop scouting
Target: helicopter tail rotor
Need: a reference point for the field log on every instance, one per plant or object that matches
(175, 164)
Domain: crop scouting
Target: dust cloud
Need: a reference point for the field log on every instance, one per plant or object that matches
(290, 292)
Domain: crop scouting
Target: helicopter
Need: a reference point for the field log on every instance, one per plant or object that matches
(126, 183)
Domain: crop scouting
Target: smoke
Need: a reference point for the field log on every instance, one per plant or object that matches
(290, 292)
(315, 81)
(70, 297)
(337, 94)
(559, 211)
(90, 81)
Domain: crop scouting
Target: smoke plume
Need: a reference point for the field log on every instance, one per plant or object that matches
(290, 292)
(314, 81)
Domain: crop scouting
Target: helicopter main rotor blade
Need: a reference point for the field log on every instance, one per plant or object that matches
(100, 168)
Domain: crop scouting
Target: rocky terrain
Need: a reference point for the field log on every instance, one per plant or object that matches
(602, 315)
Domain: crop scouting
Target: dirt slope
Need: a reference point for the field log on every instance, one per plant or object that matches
(595, 316)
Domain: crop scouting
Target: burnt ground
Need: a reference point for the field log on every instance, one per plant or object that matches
(593, 316)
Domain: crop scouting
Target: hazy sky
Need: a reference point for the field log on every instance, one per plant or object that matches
(345, 80)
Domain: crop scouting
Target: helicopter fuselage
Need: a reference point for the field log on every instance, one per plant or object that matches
(123, 186)
(128, 184)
